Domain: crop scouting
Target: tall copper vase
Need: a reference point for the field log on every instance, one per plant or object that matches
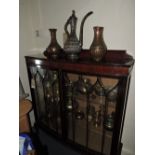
(53, 50)
(98, 47)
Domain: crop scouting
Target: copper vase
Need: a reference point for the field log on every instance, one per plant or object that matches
(53, 50)
(98, 47)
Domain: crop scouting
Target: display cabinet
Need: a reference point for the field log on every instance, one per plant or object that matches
(82, 103)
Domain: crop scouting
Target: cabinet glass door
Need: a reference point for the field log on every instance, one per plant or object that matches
(90, 104)
(47, 95)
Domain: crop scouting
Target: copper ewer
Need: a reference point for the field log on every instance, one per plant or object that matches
(73, 45)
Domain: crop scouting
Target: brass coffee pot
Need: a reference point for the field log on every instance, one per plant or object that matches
(72, 45)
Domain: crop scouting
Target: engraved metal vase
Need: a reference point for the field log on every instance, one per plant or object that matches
(98, 47)
(54, 49)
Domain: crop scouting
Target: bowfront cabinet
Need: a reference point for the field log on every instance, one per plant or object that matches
(82, 103)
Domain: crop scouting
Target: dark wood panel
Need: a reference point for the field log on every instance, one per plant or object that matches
(116, 63)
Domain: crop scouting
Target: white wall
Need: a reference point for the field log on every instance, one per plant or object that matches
(116, 16)
(26, 42)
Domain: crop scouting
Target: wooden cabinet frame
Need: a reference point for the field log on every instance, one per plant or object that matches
(116, 64)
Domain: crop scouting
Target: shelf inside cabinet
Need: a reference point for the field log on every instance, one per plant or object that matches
(82, 124)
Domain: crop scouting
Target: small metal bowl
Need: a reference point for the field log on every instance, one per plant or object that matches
(79, 114)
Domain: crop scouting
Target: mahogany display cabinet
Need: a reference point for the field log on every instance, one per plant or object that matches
(82, 103)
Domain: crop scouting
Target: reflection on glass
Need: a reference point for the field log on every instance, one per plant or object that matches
(46, 87)
(90, 106)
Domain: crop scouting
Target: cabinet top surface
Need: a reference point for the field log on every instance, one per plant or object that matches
(115, 62)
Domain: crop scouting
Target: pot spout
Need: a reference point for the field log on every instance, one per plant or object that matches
(81, 27)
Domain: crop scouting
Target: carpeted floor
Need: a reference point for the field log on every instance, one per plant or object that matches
(53, 146)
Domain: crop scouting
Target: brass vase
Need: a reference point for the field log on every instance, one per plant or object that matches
(98, 47)
(53, 50)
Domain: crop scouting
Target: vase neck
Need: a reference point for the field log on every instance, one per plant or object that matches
(98, 33)
(53, 34)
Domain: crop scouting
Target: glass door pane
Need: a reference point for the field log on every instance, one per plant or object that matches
(47, 95)
(76, 101)
(101, 113)
(90, 108)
